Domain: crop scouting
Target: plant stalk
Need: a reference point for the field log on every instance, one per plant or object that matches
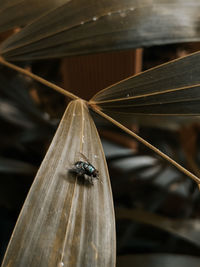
(39, 79)
(143, 141)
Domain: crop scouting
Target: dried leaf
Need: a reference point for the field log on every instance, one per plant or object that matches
(65, 221)
(169, 89)
(84, 26)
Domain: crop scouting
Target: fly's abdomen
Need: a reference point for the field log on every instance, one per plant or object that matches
(90, 169)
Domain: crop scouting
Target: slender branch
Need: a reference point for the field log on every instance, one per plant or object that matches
(72, 96)
(156, 150)
(37, 78)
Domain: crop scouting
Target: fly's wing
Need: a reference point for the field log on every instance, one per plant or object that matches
(70, 167)
(78, 157)
(81, 157)
(84, 158)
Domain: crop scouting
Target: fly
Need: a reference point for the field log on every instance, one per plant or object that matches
(85, 170)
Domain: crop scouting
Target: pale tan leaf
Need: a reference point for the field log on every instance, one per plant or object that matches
(66, 221)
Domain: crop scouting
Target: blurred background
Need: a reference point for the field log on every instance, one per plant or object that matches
(157, 207)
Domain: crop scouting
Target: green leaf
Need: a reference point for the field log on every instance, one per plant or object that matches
(65, 221)
(85, 26)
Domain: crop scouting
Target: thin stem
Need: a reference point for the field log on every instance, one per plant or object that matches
(37, 78)
(156, 150)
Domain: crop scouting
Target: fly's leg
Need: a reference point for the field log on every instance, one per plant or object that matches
(79, 172)
(90, 179)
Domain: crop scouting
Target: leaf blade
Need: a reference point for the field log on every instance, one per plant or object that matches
(82, 27)
(18, 13)
(169, 89)
(64, 221)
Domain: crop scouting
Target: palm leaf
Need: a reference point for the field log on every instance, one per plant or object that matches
(82, 27)
(16, 13)
(169, 89)
(94, 105)
(64, 221)
(146, 143)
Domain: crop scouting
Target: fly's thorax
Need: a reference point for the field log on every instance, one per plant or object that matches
(79, 164)
(87, 167)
